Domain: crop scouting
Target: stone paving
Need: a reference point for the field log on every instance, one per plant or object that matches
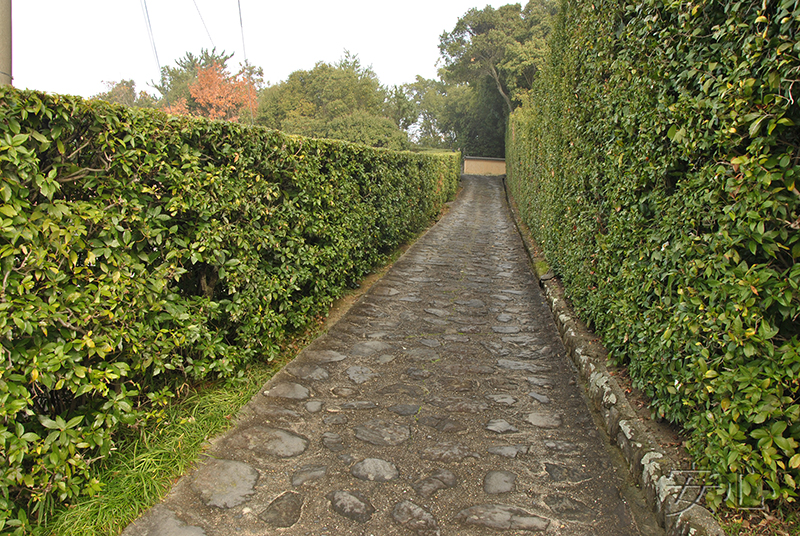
(442, 403)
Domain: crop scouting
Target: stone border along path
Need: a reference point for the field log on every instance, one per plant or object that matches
(442, 403)
(669, 490)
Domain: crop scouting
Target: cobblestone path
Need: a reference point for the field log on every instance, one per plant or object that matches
(441, 403)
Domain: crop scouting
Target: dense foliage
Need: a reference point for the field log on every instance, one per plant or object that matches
(490, 61)
(657, 165)
(124, 92)
(506, 45)
(139, 250)
(203, 85)
(458, 117)
(343, 101)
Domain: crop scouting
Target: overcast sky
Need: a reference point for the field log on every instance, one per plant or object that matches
(72, 47)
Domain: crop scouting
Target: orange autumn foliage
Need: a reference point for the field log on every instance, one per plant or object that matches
(179, 107)
(216, 94)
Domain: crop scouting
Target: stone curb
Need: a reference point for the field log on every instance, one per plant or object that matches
(659, 477)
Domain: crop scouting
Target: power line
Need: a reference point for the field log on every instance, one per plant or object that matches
(152, 40)
(241, 28)
(150, 33)
(246, 65)
(204, 23)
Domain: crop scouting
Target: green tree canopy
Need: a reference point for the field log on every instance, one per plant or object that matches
(491, 59)
(356, 127)
(124, 92)
(430, 128)
(505, 44)
(343, 101)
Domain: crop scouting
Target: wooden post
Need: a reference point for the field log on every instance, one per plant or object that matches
(5, 43)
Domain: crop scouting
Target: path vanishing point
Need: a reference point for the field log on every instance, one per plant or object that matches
(442, 403)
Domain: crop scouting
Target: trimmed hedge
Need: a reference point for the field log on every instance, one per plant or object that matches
(657, 164)
(140, 250)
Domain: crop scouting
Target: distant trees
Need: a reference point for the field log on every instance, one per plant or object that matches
(505, 45)
(199, 85)
(344, 101)
(219, 95)
(457, 117)
(490, 61)
(496, 53)
(124, 92)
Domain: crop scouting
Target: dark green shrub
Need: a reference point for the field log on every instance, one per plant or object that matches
(657, 164)
(138, 250)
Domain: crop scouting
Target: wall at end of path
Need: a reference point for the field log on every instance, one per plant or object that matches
(484, 166)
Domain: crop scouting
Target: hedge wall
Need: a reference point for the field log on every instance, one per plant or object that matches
(137, 248)
(657, 165)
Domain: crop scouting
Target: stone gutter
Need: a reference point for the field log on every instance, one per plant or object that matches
(673, 499)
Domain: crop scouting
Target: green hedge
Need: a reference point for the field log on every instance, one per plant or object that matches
(139, 250)
(656, 164)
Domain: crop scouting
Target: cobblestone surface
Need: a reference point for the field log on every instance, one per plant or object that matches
(442, 403)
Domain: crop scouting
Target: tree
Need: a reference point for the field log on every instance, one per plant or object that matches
(203, 86)
(361, 127)
(399, 107)
(505, 44)
(124, 92)
(254, 78)
(496, 54)
(462, 117)
(343, 101)
(475, 118)
(527, 52)
(175, 81)
(217, 94)
(429, 128)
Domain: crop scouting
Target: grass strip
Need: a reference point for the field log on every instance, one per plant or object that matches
(144, 470)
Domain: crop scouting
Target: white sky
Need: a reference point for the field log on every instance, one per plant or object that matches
(73, 46)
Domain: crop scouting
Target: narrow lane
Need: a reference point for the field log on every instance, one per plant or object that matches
(441, 403)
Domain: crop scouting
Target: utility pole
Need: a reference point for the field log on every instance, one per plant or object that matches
(5, 43)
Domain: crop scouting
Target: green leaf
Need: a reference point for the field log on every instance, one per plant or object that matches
(48, 423)
(783, 443)
(75, 421)
(759, 433)
(755, 126)
(671, 132)
(8, 210)
(778, 428)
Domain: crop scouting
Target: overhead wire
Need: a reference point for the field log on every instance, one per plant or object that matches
(246, 65)
(151, 36)
(204, 23)
(241, 29)
(152, 41)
